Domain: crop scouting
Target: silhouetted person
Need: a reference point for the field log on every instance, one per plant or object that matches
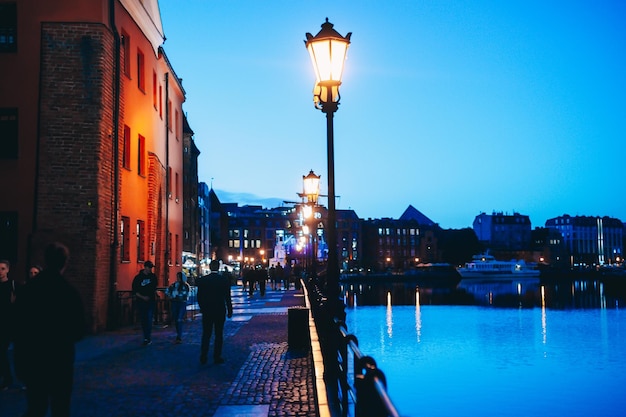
(178, 293)
(50, 320)
(7, 297)
(215, 304)
(144, 289)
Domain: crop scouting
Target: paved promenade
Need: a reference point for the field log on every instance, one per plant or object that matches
(115, 376)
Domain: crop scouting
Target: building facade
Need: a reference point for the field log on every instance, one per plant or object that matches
(590, 241)
(92, 125)
(503, 232)
(191, 209)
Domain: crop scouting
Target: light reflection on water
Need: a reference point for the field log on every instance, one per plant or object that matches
(448, 360)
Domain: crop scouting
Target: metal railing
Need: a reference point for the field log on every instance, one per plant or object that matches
(354, 383)
(360, 380)
(126, 311)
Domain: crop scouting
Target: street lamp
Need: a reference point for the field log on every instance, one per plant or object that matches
(328, 54)
(311, 187)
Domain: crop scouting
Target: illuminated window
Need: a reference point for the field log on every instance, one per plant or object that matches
(8, 27)
(141, 157)
(125, 239)
(126, 148)
(141, 240)
(8, 133)
(141, 79)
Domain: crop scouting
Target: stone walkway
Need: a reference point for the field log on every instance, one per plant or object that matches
(116, 376)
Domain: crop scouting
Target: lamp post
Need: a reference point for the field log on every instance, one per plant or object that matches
(310, 191)
(328, 54)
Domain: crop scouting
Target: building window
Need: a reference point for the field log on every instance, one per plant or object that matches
(125, 239)
(176, 187)
(141, 80)
(169, 115)
(126, 148)
(176, 125)
(141, 156)
(126, 52)
(169, 252)
(169, 182)
(8, 27)
(141, 240)
(161, 102)
(8, 133)
(177, 250)
(154, 89)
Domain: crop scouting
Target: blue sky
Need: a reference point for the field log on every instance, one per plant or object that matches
(454, 107)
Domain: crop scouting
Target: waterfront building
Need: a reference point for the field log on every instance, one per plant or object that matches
(400, 244)
(548, 248)
(506, 234)
(589, 240)
(91, 154)
(349, 239)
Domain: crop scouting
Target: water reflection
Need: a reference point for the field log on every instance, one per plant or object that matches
(525, 293)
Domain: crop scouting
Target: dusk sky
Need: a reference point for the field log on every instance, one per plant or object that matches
(454, 107)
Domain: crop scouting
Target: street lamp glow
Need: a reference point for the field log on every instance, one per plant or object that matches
(307, 211)
(311, 187)
(328, 51)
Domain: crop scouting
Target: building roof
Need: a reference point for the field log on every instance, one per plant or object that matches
(411, 213)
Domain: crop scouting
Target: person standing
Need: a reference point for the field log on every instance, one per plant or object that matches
(178, 293)
(215, 305)
(33, 271)
(50, 320)
(144, 289)
(7, 297)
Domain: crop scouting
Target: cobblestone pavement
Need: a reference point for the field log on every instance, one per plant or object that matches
(116, 376)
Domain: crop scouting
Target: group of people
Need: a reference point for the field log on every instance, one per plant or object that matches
(213, 299)
(43, 318)
(280, 277)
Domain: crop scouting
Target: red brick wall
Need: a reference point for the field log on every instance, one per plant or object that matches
(75, 182)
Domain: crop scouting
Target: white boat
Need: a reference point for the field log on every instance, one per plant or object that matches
(485, 266)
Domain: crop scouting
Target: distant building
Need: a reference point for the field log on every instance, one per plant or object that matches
(590, 240)
(400, 244)
(502, 232)
(349, 239)
(191, 211)
(549, 248)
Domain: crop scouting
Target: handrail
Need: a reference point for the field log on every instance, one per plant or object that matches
(369, 392)
(357, 383)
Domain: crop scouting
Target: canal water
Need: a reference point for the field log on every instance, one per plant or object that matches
(550, 350)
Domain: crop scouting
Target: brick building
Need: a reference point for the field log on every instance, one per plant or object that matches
(91, 154)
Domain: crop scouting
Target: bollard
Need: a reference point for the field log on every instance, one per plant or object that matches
(298, 328)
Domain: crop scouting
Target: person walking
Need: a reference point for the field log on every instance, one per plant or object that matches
(50, 320)
(144, 289)
(178, 293)
(215, 305)
(7, 297)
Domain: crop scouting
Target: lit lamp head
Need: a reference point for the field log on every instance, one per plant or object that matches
(311, 187)
(328, 54)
